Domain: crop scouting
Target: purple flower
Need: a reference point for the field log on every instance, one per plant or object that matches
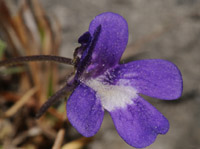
(104, 84)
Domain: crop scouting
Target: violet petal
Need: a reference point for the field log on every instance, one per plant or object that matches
(111, 42)
(84, 110)
(155, 78)
(139, 123)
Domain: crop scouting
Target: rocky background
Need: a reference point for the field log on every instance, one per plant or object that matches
(157, 29)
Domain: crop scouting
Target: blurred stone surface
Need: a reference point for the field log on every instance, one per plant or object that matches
(178, 42)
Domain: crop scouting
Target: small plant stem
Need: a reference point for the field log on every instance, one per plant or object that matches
(24, 59)
(53, 99)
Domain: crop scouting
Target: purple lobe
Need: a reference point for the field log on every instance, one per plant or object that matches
(84, 110)
(155, 78)
(111, 43)
(140, 123)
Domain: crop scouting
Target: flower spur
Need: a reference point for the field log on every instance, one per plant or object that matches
(101, 83)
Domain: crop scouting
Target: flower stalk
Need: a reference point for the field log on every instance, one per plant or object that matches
(24, 59)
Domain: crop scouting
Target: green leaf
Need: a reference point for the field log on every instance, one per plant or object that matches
(12, 70)
(2, 48)
(50, 85)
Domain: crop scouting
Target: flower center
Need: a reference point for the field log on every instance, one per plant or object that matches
(112, 96)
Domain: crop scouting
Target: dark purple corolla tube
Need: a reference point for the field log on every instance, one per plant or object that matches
(104, 84)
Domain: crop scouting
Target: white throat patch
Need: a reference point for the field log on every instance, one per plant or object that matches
(112, 96)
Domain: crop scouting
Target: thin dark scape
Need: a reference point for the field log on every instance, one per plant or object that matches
(55, 98)
(24, 59)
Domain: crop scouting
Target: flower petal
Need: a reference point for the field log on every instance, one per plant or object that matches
(139, 123)
(111, 42)
(84, 111)
(156, 78)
